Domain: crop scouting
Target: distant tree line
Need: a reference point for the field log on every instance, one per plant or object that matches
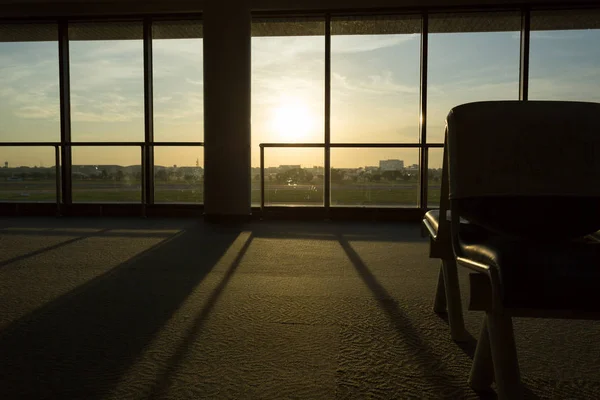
(339, 176)
(32, 175)
(294, 176)
(164, 175)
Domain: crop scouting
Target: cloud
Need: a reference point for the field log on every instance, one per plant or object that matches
(104, 75)
(277, 51)
(162, 99)
(106, 49)
(295, 66)
(365, 43)
(487, 79)
(581, 84)
(269, 51)
(194, 82)
(107, 81)
(268, 90)
(37, 112)
(106, 107)
(556, 35)
(181, 107)
(177, 59)
(30, 90)
(383, 84)
(16, 73)
(476, 88)
(551, 35)
(186, 50)
(441, 99)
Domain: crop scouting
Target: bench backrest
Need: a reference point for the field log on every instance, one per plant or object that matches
(526, 168)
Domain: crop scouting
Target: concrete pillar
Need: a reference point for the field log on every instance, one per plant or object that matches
(227, 110)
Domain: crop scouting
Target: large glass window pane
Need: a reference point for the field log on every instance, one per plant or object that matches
(564, 59)
(293, 176)
(107, 174)
(107, 81)
(375, 78)
(374, 177)
(27, 174)
(178, 81)
(434, 177)
(29, 92)
(255, 186)
(178, 174)
(288, 85)
(472, 57)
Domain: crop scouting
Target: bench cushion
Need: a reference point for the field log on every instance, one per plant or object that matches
(563, 275)
(534, 217)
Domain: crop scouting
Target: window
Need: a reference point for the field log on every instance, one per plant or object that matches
(375, 79)
(29, 111)
(387, 177)
(293, 177)
(375, 87)
(288, 96)
(472, 57)
(107, 174)
(564, 59)
(27, 174)
(434, 176)
(178, 174)
(29, 84)
(178, 81)
(107, 81)
(178, 104)
(107, 105)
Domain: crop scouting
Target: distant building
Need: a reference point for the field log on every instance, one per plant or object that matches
(5, 164)
(391, 165)
(288, 167)
(316, 170)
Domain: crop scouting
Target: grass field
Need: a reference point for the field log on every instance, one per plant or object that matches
(373, 194)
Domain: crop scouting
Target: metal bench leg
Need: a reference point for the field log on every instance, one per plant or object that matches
(504, 355)
(482, 370)
(439, 304)
(453, 301)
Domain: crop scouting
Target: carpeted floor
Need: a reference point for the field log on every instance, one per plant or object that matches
(176, 309)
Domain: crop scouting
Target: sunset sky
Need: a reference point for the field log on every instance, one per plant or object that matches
(374, 92)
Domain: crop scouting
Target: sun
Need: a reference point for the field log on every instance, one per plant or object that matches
(292, 121)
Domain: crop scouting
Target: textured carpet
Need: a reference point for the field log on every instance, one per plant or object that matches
(176, 309)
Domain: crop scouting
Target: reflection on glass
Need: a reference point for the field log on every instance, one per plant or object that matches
(374, 177)
(29, 94)
(178, 174)
(288, 85)
(107, 81)
(472, 57)
(27, 174)
(375, 79)
(178, 81)
(565, 56)
(293, 176)
(107, 174)
(434, 177)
